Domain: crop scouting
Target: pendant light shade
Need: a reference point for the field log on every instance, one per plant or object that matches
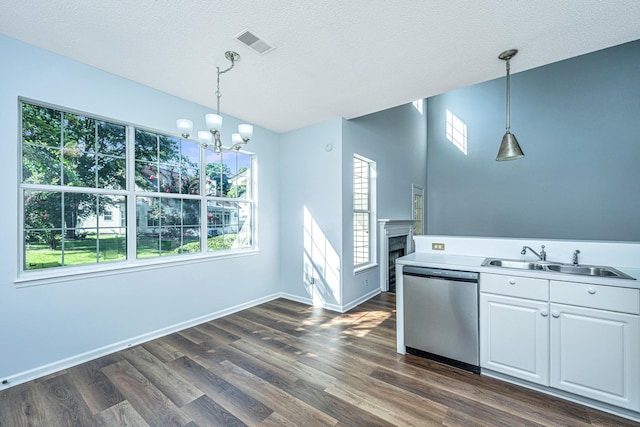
(509, 147)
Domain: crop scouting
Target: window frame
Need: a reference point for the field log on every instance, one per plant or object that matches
(26, 277)
(370, 212)
(417, 191)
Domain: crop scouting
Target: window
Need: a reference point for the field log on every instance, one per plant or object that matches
(418, 104)
(417, 193)
(76, 193)
(363, 192)
(457, 132)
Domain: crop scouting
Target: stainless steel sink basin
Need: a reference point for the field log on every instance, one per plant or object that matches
(582, 270)
(508, 263)
(588, 270)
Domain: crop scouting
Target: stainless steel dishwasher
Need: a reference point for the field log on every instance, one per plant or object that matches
(441, 315)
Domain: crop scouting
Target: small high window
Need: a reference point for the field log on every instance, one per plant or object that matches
(457, 131)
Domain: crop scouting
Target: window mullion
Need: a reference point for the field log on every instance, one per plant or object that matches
(131, 196)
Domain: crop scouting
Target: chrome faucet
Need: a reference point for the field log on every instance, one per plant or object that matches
(542, 255)
(575, 257)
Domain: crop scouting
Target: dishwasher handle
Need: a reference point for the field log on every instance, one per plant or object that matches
(440, 273)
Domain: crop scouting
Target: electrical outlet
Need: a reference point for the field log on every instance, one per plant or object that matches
(366, 282)
(312, 280)
(437, 246)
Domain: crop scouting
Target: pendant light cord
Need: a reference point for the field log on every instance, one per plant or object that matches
(508, 96)
(218, 93)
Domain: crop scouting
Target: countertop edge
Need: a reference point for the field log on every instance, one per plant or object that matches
(473, 264)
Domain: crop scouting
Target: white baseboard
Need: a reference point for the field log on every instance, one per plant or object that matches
(358, 301)
(333, 307)
(309, 301)
(296, 298)
(69, 362)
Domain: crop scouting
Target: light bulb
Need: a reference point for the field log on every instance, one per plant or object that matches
(246, 131)
(185, 127)
(214, 122)
(204, 136)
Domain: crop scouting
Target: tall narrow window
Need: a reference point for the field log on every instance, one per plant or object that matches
(418, 209)
(362, 210)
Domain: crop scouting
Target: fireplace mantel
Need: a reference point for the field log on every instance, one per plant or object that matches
(392, 228)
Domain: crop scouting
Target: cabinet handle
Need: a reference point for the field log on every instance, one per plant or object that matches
(555, 314)
(544, 313)
(512, 281)
(592, 291)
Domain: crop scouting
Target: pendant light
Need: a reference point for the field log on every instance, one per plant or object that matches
(509, 147)
(214, 121)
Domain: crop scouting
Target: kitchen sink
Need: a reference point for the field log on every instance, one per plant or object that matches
(581, 270)
(588, 270)
(509, 263)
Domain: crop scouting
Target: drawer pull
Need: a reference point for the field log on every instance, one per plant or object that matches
(544, 313)
(512, 281)
(556, 314)
(592, 291)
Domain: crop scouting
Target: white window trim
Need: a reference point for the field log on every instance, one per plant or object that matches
(45, 276)
(415, 191)
(372, 262)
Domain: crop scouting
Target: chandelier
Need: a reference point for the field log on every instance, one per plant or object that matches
(214, 121)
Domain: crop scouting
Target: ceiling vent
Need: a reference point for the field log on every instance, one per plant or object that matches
(254, 42)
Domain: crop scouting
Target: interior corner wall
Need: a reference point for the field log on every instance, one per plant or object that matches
(310, 214)
(396, 139)
(43, 326)
(576, 121)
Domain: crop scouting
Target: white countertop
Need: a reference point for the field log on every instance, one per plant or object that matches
(473, 263)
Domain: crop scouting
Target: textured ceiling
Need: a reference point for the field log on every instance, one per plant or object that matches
(333, 58)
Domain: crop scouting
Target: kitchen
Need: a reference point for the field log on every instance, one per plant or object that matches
(577, 182)
(571, 201)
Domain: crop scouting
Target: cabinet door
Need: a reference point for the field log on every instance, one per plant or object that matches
(595, 353)
(514, 337)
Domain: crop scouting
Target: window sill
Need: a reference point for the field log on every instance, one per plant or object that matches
(364, 267)
(37, 278)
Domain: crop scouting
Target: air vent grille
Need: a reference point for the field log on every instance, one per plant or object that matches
(254, 42)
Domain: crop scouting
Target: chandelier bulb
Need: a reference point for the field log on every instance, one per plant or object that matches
(185, 127)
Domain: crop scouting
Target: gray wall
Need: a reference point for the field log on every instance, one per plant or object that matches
(396, 140)
(577, 123)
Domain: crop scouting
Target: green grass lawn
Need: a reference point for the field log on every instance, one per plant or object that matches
(113, 248)
(76, 252)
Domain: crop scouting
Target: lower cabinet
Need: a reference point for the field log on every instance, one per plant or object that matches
(594, 353)
(514, 337)
(581, 338)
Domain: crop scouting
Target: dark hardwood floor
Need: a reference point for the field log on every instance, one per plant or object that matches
(283, 364)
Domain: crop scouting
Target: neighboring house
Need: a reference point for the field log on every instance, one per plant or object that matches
(109, 221)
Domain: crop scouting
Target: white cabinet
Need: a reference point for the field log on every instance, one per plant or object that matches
(514, 337)
(595, 353)
(576, 337)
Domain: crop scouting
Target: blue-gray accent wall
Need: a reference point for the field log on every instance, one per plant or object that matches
(577, 123)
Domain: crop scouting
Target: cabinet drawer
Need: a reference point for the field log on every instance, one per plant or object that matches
(624, 300)
(522, 287)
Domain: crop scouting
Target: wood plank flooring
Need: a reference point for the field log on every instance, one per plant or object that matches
(283, 364)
